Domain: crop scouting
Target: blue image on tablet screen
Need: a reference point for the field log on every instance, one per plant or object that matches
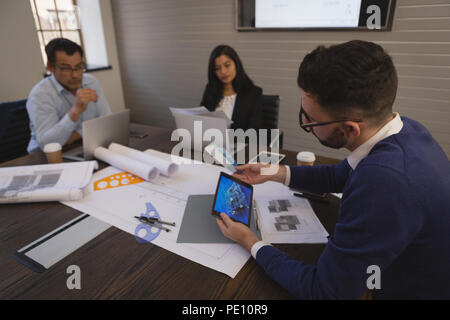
(233, 199)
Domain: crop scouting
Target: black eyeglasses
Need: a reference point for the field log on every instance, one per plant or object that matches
(69, 70)
(302, 116)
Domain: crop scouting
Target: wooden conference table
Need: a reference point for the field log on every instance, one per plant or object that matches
(115, 266)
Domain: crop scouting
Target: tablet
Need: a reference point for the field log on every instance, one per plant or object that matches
(268, 157)
(233, 197)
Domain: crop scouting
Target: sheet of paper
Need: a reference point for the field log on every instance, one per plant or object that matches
(289, 219)
(191, 111)
(217, 114)
(185, 117)
(48, 182)
(199, 111)
(119, 205)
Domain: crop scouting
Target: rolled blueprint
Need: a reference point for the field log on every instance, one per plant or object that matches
(166, 168)
(45, 182)
(122, 162)
(50, 194)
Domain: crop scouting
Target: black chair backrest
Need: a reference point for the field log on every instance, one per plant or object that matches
(270, 109)
(270, 106)
(14, 130)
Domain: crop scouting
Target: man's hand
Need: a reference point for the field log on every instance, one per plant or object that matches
(237, 232)
(253, 173)
(82, 98)
(74, 137)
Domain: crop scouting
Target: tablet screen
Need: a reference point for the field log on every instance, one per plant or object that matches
(234, 198)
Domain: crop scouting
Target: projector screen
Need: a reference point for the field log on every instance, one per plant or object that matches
(307, 13)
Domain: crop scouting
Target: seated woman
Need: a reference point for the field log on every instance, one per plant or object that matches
(231, 90)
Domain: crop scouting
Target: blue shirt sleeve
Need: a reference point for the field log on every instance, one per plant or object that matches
(377, 221)
(95, 109)
(320, 179)
(47, 125)
(102, 105)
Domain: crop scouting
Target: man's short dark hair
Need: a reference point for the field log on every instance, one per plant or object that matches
(352, 79)
(61, 44)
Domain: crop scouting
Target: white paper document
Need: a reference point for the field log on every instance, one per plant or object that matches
(47, 182)
(199, 111)
(184, 117)
(197, 121)
(119, 203)
(289, 219)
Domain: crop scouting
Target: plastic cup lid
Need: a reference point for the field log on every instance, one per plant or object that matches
(306, 156)
(52, 147)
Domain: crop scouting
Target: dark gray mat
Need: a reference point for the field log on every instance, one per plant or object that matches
(199, 226)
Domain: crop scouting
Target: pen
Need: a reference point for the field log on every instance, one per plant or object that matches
(160, 221)
(255, 213)
(152, 223)
(312, 197)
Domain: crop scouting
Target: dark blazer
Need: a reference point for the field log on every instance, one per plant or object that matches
(247, 112)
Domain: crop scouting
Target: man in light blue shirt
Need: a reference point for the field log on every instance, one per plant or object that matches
(58, 104)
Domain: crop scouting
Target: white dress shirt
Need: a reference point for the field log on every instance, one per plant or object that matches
(392, 127)
(227, 105)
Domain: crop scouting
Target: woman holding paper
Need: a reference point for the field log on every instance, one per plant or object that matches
(230, 89)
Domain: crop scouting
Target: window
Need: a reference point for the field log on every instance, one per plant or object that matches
(55, 19)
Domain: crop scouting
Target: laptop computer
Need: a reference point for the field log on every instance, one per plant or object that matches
(100, 132)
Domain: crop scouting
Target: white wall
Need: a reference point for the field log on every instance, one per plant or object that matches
(110, 79)
(164, 46)
(21, 65)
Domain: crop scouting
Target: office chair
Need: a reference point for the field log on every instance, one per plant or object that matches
(14, 130)
(270, 108)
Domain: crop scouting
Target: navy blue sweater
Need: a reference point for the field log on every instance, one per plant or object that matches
(394, 213)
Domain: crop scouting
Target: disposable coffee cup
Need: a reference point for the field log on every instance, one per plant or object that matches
(53, 152)
(305, 158)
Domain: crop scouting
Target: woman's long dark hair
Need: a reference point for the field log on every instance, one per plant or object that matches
(214, 89)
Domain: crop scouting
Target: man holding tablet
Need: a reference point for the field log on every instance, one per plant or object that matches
(395, 208)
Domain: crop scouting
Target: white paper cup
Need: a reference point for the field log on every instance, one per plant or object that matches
(53, 152)
(305, 158)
